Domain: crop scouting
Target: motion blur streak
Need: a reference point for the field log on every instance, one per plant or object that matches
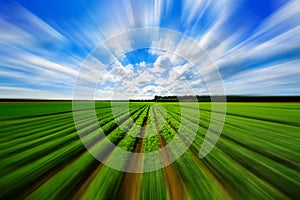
(44, 43)
(41, 149)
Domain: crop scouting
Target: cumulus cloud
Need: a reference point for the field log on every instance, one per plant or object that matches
(142, 65)
(115, 73)
(143, 78)
(162, 64)
(34, 53)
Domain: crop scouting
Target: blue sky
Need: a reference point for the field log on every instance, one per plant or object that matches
(255, 46)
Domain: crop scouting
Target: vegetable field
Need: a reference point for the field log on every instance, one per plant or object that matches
(42, 156)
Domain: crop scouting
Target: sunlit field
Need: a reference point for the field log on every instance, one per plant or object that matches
(256, 157)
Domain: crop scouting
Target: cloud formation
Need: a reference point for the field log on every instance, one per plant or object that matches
(256, 53)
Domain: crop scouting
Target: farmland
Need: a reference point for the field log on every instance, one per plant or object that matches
(42, 155)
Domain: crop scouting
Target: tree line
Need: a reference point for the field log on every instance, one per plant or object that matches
(229, 98)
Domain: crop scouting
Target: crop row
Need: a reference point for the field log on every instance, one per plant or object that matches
(238, 154)
(26, 162)
(66, 174)
(42, 156)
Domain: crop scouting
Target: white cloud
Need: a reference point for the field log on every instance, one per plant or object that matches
(11, 34)
(104, 93)
(275, 79)
(196, 82)
(162, 64)
(115, 73)
(142, 64)
(17, 29)
(25, 58)
(29, 93)
(143, 77)
(161, 45)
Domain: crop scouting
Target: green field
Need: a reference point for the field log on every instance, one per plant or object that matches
(42, 157)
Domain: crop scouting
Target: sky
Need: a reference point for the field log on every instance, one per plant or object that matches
(47, 46)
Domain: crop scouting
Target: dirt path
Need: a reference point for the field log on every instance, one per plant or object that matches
(208, 172)
(94, 170)
(48, 176)
(130, 181)
(87, 183)
(175, 183)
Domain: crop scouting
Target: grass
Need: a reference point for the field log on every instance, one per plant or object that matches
(42, 157)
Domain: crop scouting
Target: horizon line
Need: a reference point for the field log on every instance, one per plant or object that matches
(228, 98)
